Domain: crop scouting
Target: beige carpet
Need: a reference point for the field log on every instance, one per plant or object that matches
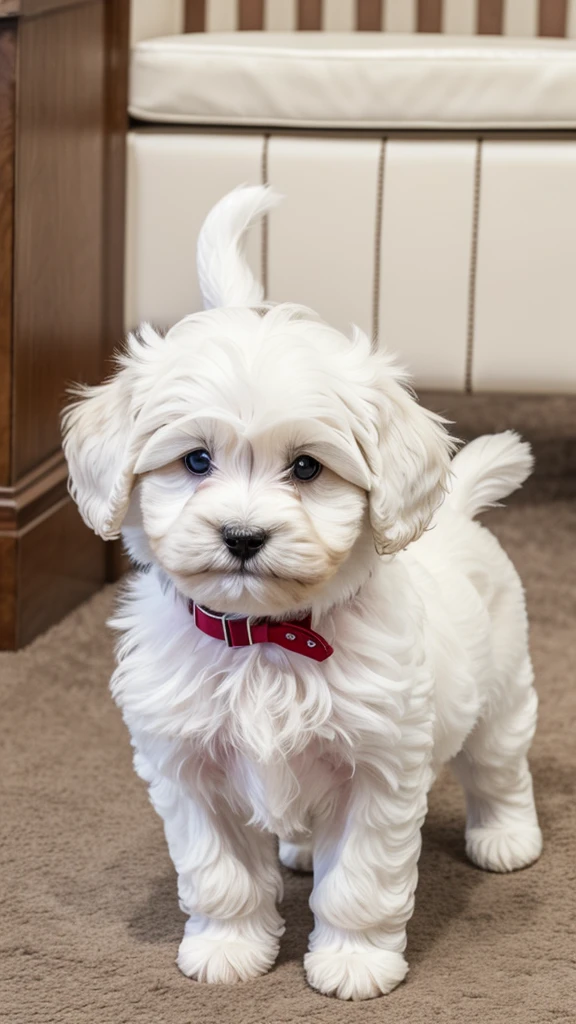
(90, 922)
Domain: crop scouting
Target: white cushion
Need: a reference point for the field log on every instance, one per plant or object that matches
(354, 80)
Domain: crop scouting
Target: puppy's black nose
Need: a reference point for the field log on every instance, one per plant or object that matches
(243, 543)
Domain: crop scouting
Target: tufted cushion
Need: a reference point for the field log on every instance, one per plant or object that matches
(354, 80)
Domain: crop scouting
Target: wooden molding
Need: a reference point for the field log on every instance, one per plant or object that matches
(61, 264)
(47, 569)
(7, 134)
(33, 495)
(30, 8)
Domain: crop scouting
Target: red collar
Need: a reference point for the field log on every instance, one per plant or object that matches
(293, 636)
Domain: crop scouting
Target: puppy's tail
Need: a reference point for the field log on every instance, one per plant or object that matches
(225, 276)
(487, 470)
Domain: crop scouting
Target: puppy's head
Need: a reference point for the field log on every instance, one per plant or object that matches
(259, 457)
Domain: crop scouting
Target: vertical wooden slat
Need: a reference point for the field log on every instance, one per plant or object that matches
(195, 16)
(552, 18)
(369, 15)
(429, 15)
(309, 15)
(490, 17)
(251, 15)
(7, 130)
(117, 34)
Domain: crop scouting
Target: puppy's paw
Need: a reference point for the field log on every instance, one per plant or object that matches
(507, 848)
(225, 960)
(297, 856)
(355, 974)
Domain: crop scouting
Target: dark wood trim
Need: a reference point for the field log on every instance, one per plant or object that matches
(32, 8)
(63, 90)
(309, 15)
(47, 569)
(369, 15)
(58, 216)
(429, 16)
(7, 132)
(552, 17)
(194, 15)
(8, 593)
(117, 27)
(250, 15)
(490, 17)
(116, 125)
(34, 494)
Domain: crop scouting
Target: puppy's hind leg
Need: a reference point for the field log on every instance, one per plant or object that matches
(502, 832)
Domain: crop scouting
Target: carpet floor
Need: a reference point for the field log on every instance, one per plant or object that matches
(91, 923)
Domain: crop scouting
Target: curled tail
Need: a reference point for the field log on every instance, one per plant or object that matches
(487, 470)
(223, 271)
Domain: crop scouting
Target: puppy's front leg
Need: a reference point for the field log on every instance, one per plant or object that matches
(365, 873)
(228, 882)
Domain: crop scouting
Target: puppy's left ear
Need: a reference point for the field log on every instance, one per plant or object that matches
(101, 435)
(410, 467)
(97, 431)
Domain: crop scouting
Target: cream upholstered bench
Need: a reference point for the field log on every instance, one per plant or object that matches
(430, 185)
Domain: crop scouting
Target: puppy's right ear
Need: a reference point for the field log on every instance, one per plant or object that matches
(98, 431)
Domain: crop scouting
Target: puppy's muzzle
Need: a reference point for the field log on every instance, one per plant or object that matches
(243, 544)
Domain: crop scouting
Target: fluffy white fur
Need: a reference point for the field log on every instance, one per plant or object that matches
(431, 659)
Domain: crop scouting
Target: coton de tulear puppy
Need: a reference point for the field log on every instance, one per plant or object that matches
(303, 652)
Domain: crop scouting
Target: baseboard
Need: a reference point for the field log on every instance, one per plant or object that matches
(49, 560)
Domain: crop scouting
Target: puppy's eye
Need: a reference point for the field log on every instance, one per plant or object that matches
(305, 467)
(198, 462)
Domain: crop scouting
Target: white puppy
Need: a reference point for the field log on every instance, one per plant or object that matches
(266, 467)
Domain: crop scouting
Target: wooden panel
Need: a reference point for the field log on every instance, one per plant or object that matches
(309, 15)
(251, 15)
(429, 15)
(26, 8)
(8, 592)
(195, 15)
(34, 7)
(60, 564)
(59, 218)
(34, 494)
(490, 17)
(117, 29)
(552, 20)
(369, 15)
(46, 569)
(7, 72)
